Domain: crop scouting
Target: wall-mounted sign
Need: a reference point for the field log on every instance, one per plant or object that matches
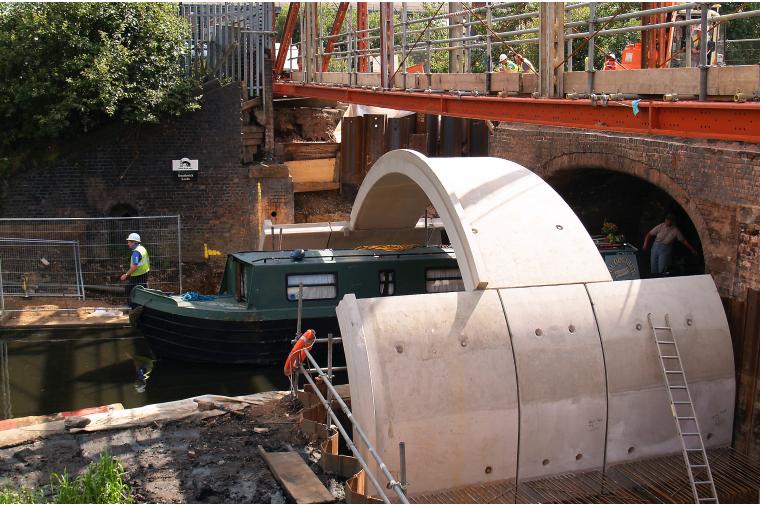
(185, 169)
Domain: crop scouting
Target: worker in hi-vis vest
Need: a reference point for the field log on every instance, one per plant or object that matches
(139, 263)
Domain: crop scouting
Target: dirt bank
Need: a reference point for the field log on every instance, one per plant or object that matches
(195, 460)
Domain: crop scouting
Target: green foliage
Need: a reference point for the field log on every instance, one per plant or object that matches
(101, 483)
(742, 53)
(21, 496)
(66, 67)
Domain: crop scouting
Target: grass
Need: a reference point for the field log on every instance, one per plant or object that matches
(102, 482)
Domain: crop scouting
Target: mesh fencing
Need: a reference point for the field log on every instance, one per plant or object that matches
(37, 264)
(40, 268)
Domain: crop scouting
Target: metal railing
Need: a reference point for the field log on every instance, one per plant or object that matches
(40, 268)
(101, 255)
(230, 41)
(490, 29)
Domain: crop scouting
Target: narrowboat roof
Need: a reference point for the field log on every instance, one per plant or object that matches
(340, 255)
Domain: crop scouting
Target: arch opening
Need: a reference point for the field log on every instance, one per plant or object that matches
(635, 205)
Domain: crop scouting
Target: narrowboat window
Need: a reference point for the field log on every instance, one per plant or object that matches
(242, 290)
(387, 282)
(443, 280)
(315, 286)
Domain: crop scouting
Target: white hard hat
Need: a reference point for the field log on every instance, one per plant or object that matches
(502, 57)
(612, 55)
(134, 237)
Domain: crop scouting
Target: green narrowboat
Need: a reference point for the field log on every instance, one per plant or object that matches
(253, 318)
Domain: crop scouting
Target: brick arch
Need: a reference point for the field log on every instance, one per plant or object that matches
(569, 162)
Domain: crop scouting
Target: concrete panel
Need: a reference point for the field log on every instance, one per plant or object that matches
(435, 371)
(640, 421)
(336, 235)
(500, 218)
(560, 366)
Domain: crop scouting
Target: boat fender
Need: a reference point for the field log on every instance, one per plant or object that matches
(297, 255)
(297, 355)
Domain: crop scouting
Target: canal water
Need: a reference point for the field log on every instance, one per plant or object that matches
(48, 371)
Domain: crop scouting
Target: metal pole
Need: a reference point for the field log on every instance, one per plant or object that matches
(489, 30)
(704, 39)
(329, 370)
(179, 250)
(392, 483)
(403, 42)
(2, 293)
(402, 463)
(590, 65)
(300, 309)
(689, 43)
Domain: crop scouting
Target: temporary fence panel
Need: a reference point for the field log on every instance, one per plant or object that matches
(40, 268)
(229, 41)
(102, 250)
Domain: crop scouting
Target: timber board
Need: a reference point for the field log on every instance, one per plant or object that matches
(299, 482)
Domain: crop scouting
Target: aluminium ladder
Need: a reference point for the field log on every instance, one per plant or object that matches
(684, 415)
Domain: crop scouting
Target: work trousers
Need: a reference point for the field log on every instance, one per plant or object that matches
(134, 281)
(661, 256)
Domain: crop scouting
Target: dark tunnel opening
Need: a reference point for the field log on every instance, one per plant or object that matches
(636, 206)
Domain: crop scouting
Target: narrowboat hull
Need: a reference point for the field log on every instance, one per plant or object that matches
(190, 339)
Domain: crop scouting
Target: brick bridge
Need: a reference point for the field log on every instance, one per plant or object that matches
(715, 183)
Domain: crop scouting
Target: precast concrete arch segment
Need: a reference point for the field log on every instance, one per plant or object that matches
(508, 227)
(521, 383)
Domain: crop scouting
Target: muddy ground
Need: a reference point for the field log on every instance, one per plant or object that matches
(214, 460)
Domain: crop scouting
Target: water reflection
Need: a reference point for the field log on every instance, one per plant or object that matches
(61, 370)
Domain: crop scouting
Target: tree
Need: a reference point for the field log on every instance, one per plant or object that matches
(67, 67)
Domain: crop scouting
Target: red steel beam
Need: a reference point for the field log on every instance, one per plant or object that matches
(337, 24)
(361, 36)
(701, 120)
(287, 37)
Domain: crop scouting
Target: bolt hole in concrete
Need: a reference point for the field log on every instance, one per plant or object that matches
(638, 326)
(689, 321)
(709, 435)
(463, 343)
(579, 456)
(559, 227)
(539, 332)
(474, 230)
(488, 469)
(399, 348)
(545, 462)
(571, 328)
(631, 449)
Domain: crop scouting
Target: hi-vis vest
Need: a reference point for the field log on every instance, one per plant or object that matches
(144, 265)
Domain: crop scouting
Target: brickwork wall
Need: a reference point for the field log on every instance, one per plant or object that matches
(131, 165)
(716, 183)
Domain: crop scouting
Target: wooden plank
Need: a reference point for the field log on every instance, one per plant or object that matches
(320, 170)
(252, 129)
(352, 157)
(506, 82)
(250, 104)
(459, 82)
(315, 187)
(299, 482)
(310, 150)
(369, 79)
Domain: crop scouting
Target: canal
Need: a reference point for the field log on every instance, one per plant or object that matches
(48, 371)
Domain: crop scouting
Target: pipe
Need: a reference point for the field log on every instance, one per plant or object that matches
(717, 19)
(590, 62)
(636, 14)
(357, 429)
(704, 40)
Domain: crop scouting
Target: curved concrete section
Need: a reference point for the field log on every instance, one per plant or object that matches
(640, 421)
(508, 227)
(441, 379)
(560, 366)
(565, 377)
